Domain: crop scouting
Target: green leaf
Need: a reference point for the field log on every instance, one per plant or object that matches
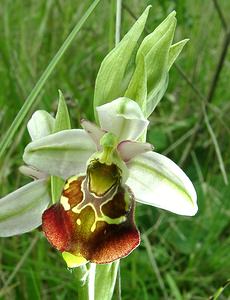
(155, 50)
(152, 39)
(105, 280)
(111, 76)
(173, 287)
(137, 89)
(96, 282)
(155, 96)
(155, 47)
(62, 122)
(174, 51)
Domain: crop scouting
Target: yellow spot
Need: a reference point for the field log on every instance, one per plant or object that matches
(71, 179)
(93, 227)
(65, 203)
(73, 261)
(78, 222)
(76, 210)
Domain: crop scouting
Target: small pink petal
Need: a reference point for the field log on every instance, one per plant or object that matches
(129, 149)
(94, 131)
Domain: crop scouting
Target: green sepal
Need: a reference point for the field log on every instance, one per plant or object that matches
(62, 119)
(137, 88)
(155, 48)
(175, 50)
(152, 39)
(110, 82)
(62, 122)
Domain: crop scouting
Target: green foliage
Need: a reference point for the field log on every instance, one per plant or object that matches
(111, 81)
(191, 254)
(139, 72)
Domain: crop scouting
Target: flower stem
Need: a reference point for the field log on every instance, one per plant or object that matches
(118, 22)
(96, 282)
(117, 290)
(81, 274)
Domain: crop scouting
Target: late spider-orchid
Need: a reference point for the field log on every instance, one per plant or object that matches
(106, 170)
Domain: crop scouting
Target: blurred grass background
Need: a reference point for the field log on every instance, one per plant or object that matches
(179, 258)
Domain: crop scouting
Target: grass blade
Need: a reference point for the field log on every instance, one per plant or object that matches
(39, 85)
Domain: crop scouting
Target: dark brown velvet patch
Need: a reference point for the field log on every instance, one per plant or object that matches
(111, 241)
(116, 207)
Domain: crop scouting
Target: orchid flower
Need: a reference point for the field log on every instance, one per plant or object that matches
(106, 169)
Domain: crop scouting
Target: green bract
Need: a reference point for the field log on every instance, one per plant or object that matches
(139, 72)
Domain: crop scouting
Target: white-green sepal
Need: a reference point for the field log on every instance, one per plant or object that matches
(41, 124)
(123, 117)
(62, 154)
(21, 211)
(156, 180)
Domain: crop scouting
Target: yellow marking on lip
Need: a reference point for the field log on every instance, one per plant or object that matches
(104, 218)
(93, 226)
(71, 179)
(65, 202)
(72, 260)
(78, 221)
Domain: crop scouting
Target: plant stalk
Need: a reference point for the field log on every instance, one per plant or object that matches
(118, 22)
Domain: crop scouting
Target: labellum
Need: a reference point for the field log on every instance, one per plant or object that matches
(94, 220)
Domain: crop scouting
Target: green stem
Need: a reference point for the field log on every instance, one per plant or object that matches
(105, 280)
(117, 290)
(118, 22)
(41, 82)
(111, 24)
(81, 274)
